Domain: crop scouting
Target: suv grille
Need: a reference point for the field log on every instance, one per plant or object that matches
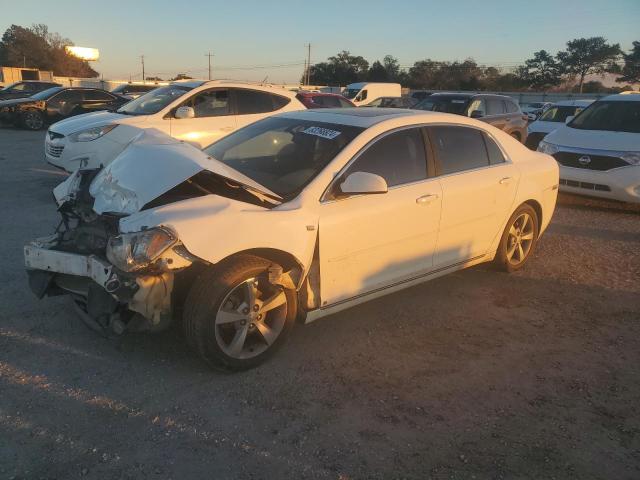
(533, 139)
(55, 150)
(590, 162)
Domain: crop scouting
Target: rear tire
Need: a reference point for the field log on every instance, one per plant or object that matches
(234, 318)
(518, 240)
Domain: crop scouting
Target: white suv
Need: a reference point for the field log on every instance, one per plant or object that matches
(198, 112)
(599, 150)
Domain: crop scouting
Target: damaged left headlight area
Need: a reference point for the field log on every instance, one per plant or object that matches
(118, 281)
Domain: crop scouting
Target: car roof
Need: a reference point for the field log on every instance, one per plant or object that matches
(575, 103)
(319, 94)
(368, 117)
(237, 84)
(622, 98)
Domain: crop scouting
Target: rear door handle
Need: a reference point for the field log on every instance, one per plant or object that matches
(505, 180)
(426, 199)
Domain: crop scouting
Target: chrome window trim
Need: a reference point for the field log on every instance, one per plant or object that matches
(507, 158)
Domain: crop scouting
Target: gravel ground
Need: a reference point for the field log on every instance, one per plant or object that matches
(475, 375)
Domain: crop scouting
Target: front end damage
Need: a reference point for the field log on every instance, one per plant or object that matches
(75, 261)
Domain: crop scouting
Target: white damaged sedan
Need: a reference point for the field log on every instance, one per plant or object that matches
(291, 218)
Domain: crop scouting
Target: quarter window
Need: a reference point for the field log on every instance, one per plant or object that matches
(494, 152)
(458, 149)
(511, 107)
(97, 95)
(398, 158)
(252, 101)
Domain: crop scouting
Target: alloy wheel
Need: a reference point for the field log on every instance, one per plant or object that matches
(250, 318)
(520, 239)
(33, 120)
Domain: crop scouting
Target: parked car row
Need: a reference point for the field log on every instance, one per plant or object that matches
(226, 238)
(57, 103)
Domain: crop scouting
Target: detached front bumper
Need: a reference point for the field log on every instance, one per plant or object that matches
(107, 293)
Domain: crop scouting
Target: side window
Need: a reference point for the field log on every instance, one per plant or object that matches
(97, 95)
(458, 149)
(398, 158)
(252, 101)
(344, 103)
(331, 102)
(21, 87)
(495, 106)
(210, 103)
(494, 152)
(363, 95)
(66, 97)
(478, 104)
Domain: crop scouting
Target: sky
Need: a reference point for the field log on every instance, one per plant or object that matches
(253, 40)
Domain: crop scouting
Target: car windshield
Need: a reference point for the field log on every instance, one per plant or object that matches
(614, 116)
(559, 113)
(45, 94)
(350, 93)
(448, 104)
(283, 154)
(154, 101)
(14, 86)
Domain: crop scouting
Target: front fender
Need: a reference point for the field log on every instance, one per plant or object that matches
(214, 227)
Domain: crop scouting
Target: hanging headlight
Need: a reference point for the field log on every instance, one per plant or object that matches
(134, 251)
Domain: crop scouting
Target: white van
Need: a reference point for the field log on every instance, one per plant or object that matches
(363, 93)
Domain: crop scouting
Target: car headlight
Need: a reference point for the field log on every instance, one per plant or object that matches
(134, 251)
(632, 157)
(91, 134)
(548, 148)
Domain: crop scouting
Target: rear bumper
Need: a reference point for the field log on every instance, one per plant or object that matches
(621, 184)
(106, 292)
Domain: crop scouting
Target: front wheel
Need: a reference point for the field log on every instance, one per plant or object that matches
(32, 119)
(518, 240)
(234, 317)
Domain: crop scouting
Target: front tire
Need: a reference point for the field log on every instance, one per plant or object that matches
(518, 240)
(234, 317)
(32, 119)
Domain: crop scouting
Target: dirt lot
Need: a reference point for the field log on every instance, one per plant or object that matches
(475, 375)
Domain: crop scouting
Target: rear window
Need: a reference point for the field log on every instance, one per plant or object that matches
(447, 104)
(613, 116)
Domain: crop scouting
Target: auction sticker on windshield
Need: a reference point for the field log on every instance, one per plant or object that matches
(322, 132)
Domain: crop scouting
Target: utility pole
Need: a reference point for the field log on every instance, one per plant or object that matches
(209, 55)
(142, 60)
(308, 72)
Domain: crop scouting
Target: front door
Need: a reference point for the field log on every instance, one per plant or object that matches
(371, 241)
(213, 119)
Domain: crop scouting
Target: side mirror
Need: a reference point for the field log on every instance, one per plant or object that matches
(477, 114)
(363, 182)
(185, 112)
(569, 118)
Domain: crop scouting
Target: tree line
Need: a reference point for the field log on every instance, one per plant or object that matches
(36, 47)
(567, 70)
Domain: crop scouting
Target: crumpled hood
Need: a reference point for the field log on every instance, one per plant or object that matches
(151, 165)
(94, 119)
(595, 139)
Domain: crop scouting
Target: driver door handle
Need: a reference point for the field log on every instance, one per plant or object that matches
(426, 199)
(505, 180)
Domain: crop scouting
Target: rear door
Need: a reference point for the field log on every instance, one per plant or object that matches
(62, 104)
(478, 189)
(369, 242)
(253, 105)
(213, 119)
